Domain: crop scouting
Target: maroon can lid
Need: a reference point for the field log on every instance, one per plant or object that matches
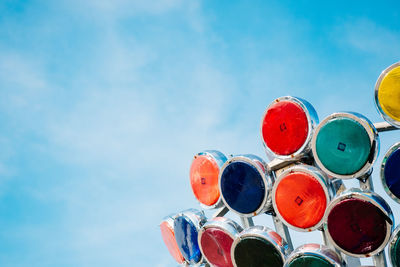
(357, 226)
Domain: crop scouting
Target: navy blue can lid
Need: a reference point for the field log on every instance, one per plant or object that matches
(392, 173)
(242, 187)
(186, 238)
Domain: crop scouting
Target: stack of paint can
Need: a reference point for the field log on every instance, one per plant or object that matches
(301, 187)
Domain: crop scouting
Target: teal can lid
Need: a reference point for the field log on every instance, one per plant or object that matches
(394, 248)
(343, 146)
(309, 261)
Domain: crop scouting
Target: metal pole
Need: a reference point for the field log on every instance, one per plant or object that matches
(367, 184)
(384, 127)
(353, 262)
(283, 231)
(324, 238)
(246, 222)
(220, 212)
(380, 259)
(274, 167)
(277, 164)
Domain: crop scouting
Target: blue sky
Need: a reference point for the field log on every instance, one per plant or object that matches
(104, 103)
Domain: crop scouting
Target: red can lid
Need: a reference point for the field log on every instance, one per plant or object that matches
(216, 246)
(285, 127)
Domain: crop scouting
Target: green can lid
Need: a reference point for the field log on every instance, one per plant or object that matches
(309, 261)
(395, 253)
(343, 146)
(257, 252)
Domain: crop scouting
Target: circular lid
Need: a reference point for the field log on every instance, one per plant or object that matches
(387, 94)
(287, 125)
(310, 261)
(204, 173)
(244, 186)
(313, 255)
(345, 145)
(259, 246)
(186, 227)
(394, 248)
(216, 238)
(390, 172)
(300, 198)
(256, 252)
(168, 236)
(216, 246)
(358, 224)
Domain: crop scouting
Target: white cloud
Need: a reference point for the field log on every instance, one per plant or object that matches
(367, 36)
(126, 132)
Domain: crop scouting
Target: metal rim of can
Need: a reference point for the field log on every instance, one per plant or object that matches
(219, 159)
(377, 102)
(228, 226)
(321, 252)
(372, 134)
(391, 246)
(263, 233)
(312, 119)
(321, 180)
(260, 165)
(198, 219)
(392, 149)
(368, 196)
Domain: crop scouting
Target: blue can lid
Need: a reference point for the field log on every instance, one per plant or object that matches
(186, 238)
(392, 173)
(242, 187)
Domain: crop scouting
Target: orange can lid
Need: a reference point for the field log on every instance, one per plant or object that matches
(168, 235)
(204, 174)
(301, 200)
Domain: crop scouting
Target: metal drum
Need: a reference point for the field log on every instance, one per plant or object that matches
(168, 236)
(287, 127)
(245, 186)
(216, 238)
(390, 172)
(300, 196)
(314, 255)
(358, 223)
(259, 246)
(394, 248)
(387, 94)
(204, 173)
(186, 227)
(345, 145)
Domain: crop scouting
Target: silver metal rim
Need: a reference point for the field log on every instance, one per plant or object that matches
(374, 141)
(263, 233)
(220, 159)
(228, 226)
(260, 165)
(393, 240)
(377, 103)
(321, 180)
(321, 252)
(169, 219)
(312, 119)
(392, 149)
(198, 219)
(371, 197)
